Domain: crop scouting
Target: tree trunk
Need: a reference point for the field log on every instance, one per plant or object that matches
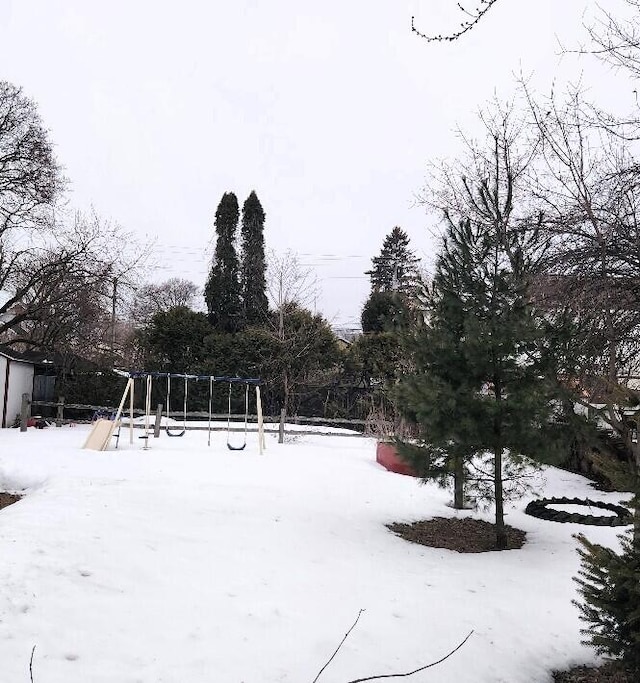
(114, 300)
(285, 406)
(286, 391)
(283, 419)
(458, 482)
(635, 449)
(501, 534)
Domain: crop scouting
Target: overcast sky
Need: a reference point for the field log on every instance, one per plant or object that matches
(330, 110)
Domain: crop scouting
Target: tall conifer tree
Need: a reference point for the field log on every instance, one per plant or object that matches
(479, 393)
(394, 280)
(252, 276)
(437, 396)
(222, 291)
(395, 269)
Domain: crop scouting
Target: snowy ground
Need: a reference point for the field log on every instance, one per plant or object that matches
(188, 564)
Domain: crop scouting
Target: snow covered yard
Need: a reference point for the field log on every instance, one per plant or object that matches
(188, 564)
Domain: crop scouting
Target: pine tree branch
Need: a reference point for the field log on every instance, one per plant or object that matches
(415, 671)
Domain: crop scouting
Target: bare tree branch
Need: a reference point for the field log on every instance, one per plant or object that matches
(346, 635)
(33, 649)
(474, 16)
(400, 675)
(415, 671)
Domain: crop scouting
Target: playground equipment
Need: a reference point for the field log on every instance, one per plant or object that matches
(104, 430)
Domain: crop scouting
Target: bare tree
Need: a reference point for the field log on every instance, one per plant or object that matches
(155, 298)
(304, 341)
(617, 39)
(490, 180)
(59, 274)
(288, 282)
(30, 178)
(61, 282)
(587, 186)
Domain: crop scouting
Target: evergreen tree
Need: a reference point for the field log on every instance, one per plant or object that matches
(382, 312)
(252, 277)
(478, 393)
(395, 269)
(441, 395)
(609, 584)
(394, 280)
(222, 291)
(174, 340)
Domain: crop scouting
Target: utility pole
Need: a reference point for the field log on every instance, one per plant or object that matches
(114, 299)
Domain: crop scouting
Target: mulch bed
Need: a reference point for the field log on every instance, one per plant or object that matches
(462, 534)
(7, 499)
(608, 673)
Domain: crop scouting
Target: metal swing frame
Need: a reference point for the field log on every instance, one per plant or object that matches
(103, 441)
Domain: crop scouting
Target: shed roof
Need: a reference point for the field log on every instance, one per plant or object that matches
(33, 357)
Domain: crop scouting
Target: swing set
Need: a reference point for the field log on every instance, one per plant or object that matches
(104, 430)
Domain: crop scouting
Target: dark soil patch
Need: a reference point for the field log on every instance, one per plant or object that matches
(611, 672)
(7, 499)
(464, 534)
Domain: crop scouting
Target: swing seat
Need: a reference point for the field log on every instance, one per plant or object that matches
(167, 429)
(236, 448)
(239, 447)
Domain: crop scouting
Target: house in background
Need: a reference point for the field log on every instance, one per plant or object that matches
(346, 336)
(16, 378)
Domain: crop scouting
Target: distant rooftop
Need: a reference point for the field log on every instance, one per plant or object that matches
(348, 334)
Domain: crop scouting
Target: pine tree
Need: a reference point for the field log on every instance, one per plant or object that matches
(382, 312)
(395, 269)
(478, 393)
(222, 291)
(609, 585)
(441, 393)
(252, 278)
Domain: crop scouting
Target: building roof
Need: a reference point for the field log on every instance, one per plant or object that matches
(49, 360)
(347, 334)
(14, 355)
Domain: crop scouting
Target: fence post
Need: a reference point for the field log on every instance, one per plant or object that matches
(25, 412)
(60, 413)
(157, 424)
(283, 414)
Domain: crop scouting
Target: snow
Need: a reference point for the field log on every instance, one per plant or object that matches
(581, 510)
(188, 563)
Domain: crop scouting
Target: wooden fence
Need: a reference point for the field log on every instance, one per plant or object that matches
(60, 406)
